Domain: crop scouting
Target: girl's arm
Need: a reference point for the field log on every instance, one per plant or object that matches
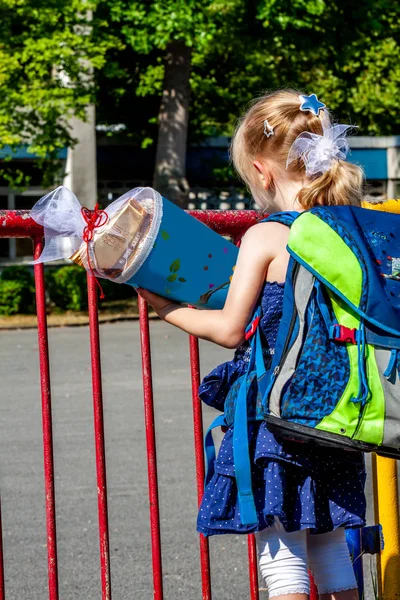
(260, 245)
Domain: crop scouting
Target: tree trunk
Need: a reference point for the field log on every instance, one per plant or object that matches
(170, 170)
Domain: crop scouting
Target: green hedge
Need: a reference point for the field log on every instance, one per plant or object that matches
(66, 289)
(116, 291)
(12, 298)
(22, 274)
(17, 291)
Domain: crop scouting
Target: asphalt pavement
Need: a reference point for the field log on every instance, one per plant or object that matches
(21, 469)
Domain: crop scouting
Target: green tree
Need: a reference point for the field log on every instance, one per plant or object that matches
(47, 56)
(347, 55)
(222, 53)
(169, 33)
(178, 69)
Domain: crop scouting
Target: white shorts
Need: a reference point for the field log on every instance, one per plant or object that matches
(285, 559)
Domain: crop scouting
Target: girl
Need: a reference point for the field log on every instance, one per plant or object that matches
(286, 153)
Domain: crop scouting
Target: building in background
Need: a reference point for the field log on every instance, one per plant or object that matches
(102, 168)
(122, 167)
(380, 159)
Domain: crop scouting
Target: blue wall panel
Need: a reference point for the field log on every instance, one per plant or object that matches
(372, 160)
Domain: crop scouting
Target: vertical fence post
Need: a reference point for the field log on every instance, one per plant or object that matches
(253, 566)
(199, 457)
(99, 438)
(313, 588)
(151, 450)
(386, 504)
(46, 423)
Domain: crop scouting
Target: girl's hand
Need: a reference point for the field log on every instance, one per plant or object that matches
(162, 306)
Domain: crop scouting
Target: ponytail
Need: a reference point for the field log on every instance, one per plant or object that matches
(341, 184)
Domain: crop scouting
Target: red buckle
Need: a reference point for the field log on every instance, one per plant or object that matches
(252, 329)
(345, 334)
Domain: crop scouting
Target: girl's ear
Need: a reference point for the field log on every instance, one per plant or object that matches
(263, 174)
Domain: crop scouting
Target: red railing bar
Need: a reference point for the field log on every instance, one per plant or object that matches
(44, 366)
(2, 589)
(18, 223)
(199, 458)
(227, 222)
(253, 567)
(313, 589)
(151, 450)
(99, 438)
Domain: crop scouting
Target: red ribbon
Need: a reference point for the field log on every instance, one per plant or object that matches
(94, 218)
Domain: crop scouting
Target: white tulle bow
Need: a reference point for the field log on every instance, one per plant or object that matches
(319, 151)
(59, 212)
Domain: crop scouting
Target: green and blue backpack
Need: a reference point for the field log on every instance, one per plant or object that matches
(334, 377)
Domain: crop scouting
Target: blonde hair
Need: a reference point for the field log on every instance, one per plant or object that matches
(341, 184)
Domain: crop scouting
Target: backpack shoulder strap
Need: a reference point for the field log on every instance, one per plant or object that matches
(241, 457)
(286, 218)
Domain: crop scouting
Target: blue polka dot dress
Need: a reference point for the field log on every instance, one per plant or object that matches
(306, 489)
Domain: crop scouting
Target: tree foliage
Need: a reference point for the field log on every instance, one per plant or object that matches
(47, 56)
(169, 32)
(54, 60)
(347, 55)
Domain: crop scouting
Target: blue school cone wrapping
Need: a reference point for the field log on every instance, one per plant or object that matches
(188, 262)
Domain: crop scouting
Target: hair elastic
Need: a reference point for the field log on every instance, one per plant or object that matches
(319, 151)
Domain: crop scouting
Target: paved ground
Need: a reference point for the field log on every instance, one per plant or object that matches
(21, 469)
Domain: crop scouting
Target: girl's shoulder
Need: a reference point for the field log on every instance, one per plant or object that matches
(270, 236)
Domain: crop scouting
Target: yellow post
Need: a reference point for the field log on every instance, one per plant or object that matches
(386, 505)
(386, 498)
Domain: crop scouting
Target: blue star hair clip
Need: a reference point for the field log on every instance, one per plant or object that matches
(311, 103)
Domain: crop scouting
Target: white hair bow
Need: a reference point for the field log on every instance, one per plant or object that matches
(319, 151)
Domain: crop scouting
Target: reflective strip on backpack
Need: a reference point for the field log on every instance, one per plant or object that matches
(302, 293)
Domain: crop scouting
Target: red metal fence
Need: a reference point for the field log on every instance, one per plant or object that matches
(18, 224)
